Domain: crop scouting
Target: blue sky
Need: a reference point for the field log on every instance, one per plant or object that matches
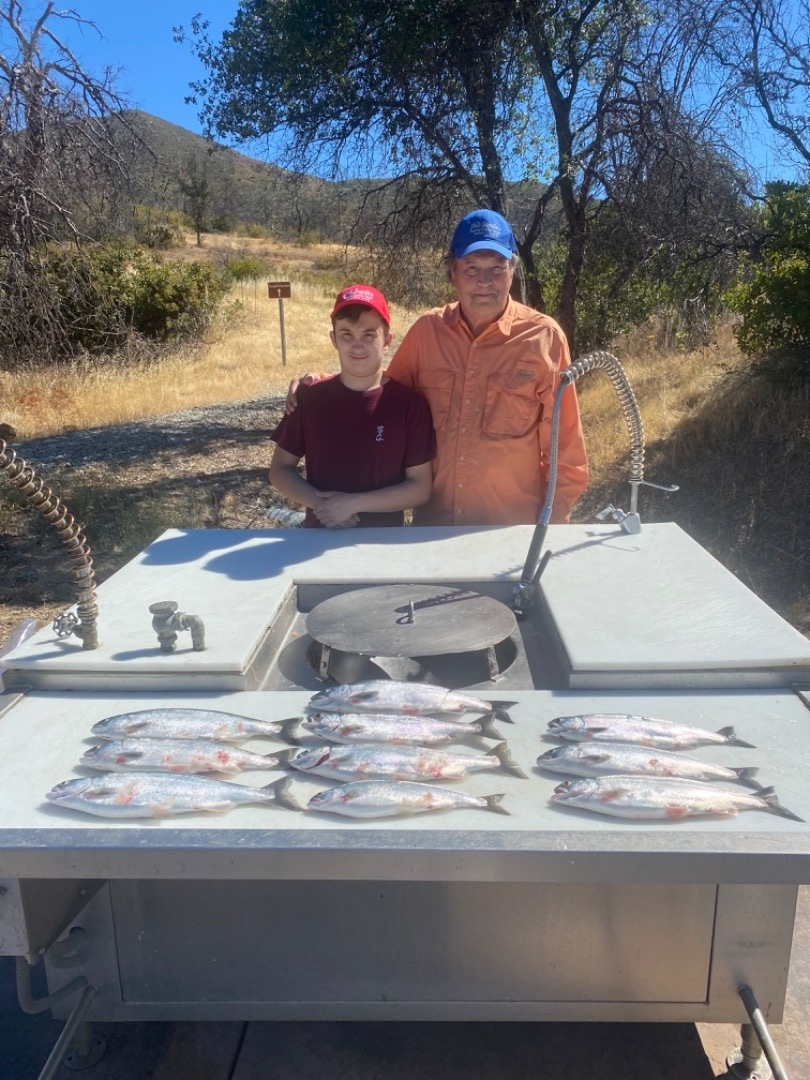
(136, 36)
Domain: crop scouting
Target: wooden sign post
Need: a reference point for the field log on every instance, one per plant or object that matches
(281, 290)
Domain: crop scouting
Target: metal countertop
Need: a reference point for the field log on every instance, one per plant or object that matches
(43, 736)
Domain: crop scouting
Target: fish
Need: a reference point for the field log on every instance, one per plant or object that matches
(645, 797)
(641, 730)
(378, 762)
(144, 795)
(405, 699)
(391, 798)
(179, 756)
(395, 730)
(612, 759)
(193, 724)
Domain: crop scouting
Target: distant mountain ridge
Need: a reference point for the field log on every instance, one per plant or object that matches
(243, 190)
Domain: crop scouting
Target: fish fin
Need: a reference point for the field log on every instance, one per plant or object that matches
(596, 758)
(212, 808)
(99, 793)
(499, 711)
(364, 695)
(282, 758)
(161, 810)
(279, 791)
(746, 776)
(487, 728)
(730, 735)
(494, 804)
(773, 805)
(287, 733)
(506, 761)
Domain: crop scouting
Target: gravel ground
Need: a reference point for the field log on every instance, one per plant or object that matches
(209, 464)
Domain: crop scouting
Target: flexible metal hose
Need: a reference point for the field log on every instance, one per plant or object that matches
(534, 565)
(32, 486)
(627, 399)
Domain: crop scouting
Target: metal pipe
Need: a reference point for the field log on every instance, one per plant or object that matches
(167, 621)
(24, 477)
(64, 1040)
(763, 1035)
(31, 1005)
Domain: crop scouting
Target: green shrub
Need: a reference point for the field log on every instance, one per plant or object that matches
(174, 298)
(773, 295)
(103, 295)
(159, 229)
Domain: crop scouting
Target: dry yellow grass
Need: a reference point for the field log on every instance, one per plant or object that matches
(241, 359)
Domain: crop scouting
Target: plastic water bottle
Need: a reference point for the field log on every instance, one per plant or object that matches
(284, 518)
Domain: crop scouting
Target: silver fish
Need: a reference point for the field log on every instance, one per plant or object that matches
(179, 756)
(641, 730)
(378, 762)
(144, 795)
(192, 724)
(390, 798)
(612, 759)
(405, 699)
(651, 797)
(395, 730)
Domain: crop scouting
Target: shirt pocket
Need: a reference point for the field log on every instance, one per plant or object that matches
(512, 407)
(437, 387)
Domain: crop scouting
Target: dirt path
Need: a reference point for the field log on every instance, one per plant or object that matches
(200, 468)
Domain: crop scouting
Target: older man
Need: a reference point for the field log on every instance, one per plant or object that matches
(489, 368)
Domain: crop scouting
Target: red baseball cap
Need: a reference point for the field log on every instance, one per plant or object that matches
(367, 296)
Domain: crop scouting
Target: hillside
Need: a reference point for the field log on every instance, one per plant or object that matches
(246, 191)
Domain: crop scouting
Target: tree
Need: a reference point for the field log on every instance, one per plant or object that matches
(465, 101)
(194, 185)
(764, 46)
(61, 159)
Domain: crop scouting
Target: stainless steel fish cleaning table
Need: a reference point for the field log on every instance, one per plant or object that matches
(547, 914)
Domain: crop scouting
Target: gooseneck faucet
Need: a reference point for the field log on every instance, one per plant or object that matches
(534, 566)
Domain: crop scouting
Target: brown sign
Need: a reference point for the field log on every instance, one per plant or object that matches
(278, 290)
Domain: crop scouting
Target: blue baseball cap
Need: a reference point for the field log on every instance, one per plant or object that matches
(483, 230)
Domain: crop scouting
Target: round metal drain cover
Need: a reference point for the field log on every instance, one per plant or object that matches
(410, 620)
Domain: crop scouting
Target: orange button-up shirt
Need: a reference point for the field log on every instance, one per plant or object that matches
(491, 398)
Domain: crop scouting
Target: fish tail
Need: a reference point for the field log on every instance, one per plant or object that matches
(746, 776)
(730, 735)
(288, 733)
(499, 711)
(488, 728)
(279, 791)
(494, 804)
(506, 762)
(775, 807)
(283, 757)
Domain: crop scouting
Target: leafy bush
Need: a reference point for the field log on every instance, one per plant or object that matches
(159, 229)
(773, 296)
(103, 295)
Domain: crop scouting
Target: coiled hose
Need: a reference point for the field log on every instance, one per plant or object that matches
(32, 486)
(627, 399)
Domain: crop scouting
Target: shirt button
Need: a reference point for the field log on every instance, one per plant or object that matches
(463, 429)
(467, 401)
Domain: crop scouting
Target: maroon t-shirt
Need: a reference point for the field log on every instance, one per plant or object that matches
(358, 440)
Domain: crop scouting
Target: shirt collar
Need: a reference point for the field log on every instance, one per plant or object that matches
(452, 316)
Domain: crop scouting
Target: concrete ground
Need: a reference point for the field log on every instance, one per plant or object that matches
(410, 1051)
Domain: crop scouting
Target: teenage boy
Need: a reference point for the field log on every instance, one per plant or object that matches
(366, 440)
